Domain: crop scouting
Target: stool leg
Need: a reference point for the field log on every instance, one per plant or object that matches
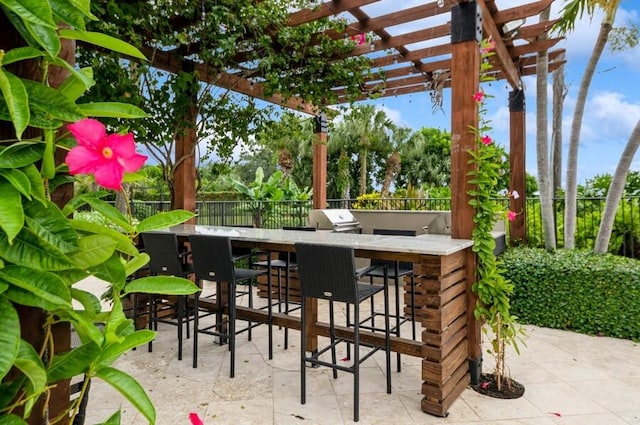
(232, 327)
(195, 329)
(270, 306)
(398, 322)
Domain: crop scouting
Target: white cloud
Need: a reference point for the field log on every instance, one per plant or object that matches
(393, 114)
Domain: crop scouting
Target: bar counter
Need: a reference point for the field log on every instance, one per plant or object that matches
(444, 270)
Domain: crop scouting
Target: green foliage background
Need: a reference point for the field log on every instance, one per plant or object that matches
(575, 290)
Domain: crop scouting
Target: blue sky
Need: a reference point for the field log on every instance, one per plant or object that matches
(612, 110)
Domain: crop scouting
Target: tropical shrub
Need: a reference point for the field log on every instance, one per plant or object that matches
(575, 290)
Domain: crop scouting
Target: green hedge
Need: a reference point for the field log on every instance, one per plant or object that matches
(575, 290)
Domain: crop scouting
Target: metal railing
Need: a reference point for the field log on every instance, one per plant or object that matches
(272, 214)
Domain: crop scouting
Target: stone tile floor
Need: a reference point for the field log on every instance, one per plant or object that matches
(569, 378)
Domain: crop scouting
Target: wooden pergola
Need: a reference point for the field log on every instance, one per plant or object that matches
(446, 34)
(441, 51)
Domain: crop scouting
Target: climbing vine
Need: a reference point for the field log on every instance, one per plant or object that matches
(492, 288)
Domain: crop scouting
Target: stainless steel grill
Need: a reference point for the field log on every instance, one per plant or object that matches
(334, 219)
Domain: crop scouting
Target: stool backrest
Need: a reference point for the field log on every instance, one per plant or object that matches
(327, 272)
(164, 255)
(212, 258)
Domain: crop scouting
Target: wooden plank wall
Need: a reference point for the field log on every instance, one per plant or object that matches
(440, 285)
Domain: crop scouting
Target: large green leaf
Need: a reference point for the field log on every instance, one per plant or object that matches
(29, 250)
(103, 40)
(20, 54)
(18, 179)
(51, 225)
(84, 325)
(89, 301)
(9, 390)
(34, 11)
(136, 263)
(42, 284)
(111, 270)
(11, 212)
(87, 81)
(72, 363)
(124, 244)
(11, 419)
(30, 364)
(21, 154)
(111, 213)
(79, 201)
(20, 296)
(85, 7)
(74, 87)
(111, 110)
(17, 100)
(164, 220)
(116, 349)
(50, 101)
(130, 389)
(9, 337)
(117, 325)
(169, 285)
(93, 250)
(67, 12)
(46, 37)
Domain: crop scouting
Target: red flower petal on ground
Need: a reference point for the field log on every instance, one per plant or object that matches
(484, 385)
(195, 419)
(106, 156)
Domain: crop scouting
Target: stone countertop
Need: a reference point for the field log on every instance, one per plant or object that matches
(428, 244)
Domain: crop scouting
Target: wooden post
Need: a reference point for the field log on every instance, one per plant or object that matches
(466, 33)
(184, 177)
(320, 163)
(517, 143)
(465, 82)
(32, 319)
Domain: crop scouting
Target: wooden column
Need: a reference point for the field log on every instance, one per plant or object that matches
(465, 82)
(517, 182)
(320, 163)
(466, 32)
(33, 319)
(184, 176)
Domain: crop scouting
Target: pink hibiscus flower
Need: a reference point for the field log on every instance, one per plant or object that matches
(105, 156)
(479, 96)
(511, 215)
(486, 140)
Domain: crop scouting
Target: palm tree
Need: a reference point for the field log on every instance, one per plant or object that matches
(616, 189)
(363, 131)
(400, 136)
(542, 143)
(426, 159)
(570, 14)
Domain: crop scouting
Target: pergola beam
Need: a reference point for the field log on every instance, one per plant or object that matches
(504, 58)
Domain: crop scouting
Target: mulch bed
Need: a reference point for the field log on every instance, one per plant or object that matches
(488, 386)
